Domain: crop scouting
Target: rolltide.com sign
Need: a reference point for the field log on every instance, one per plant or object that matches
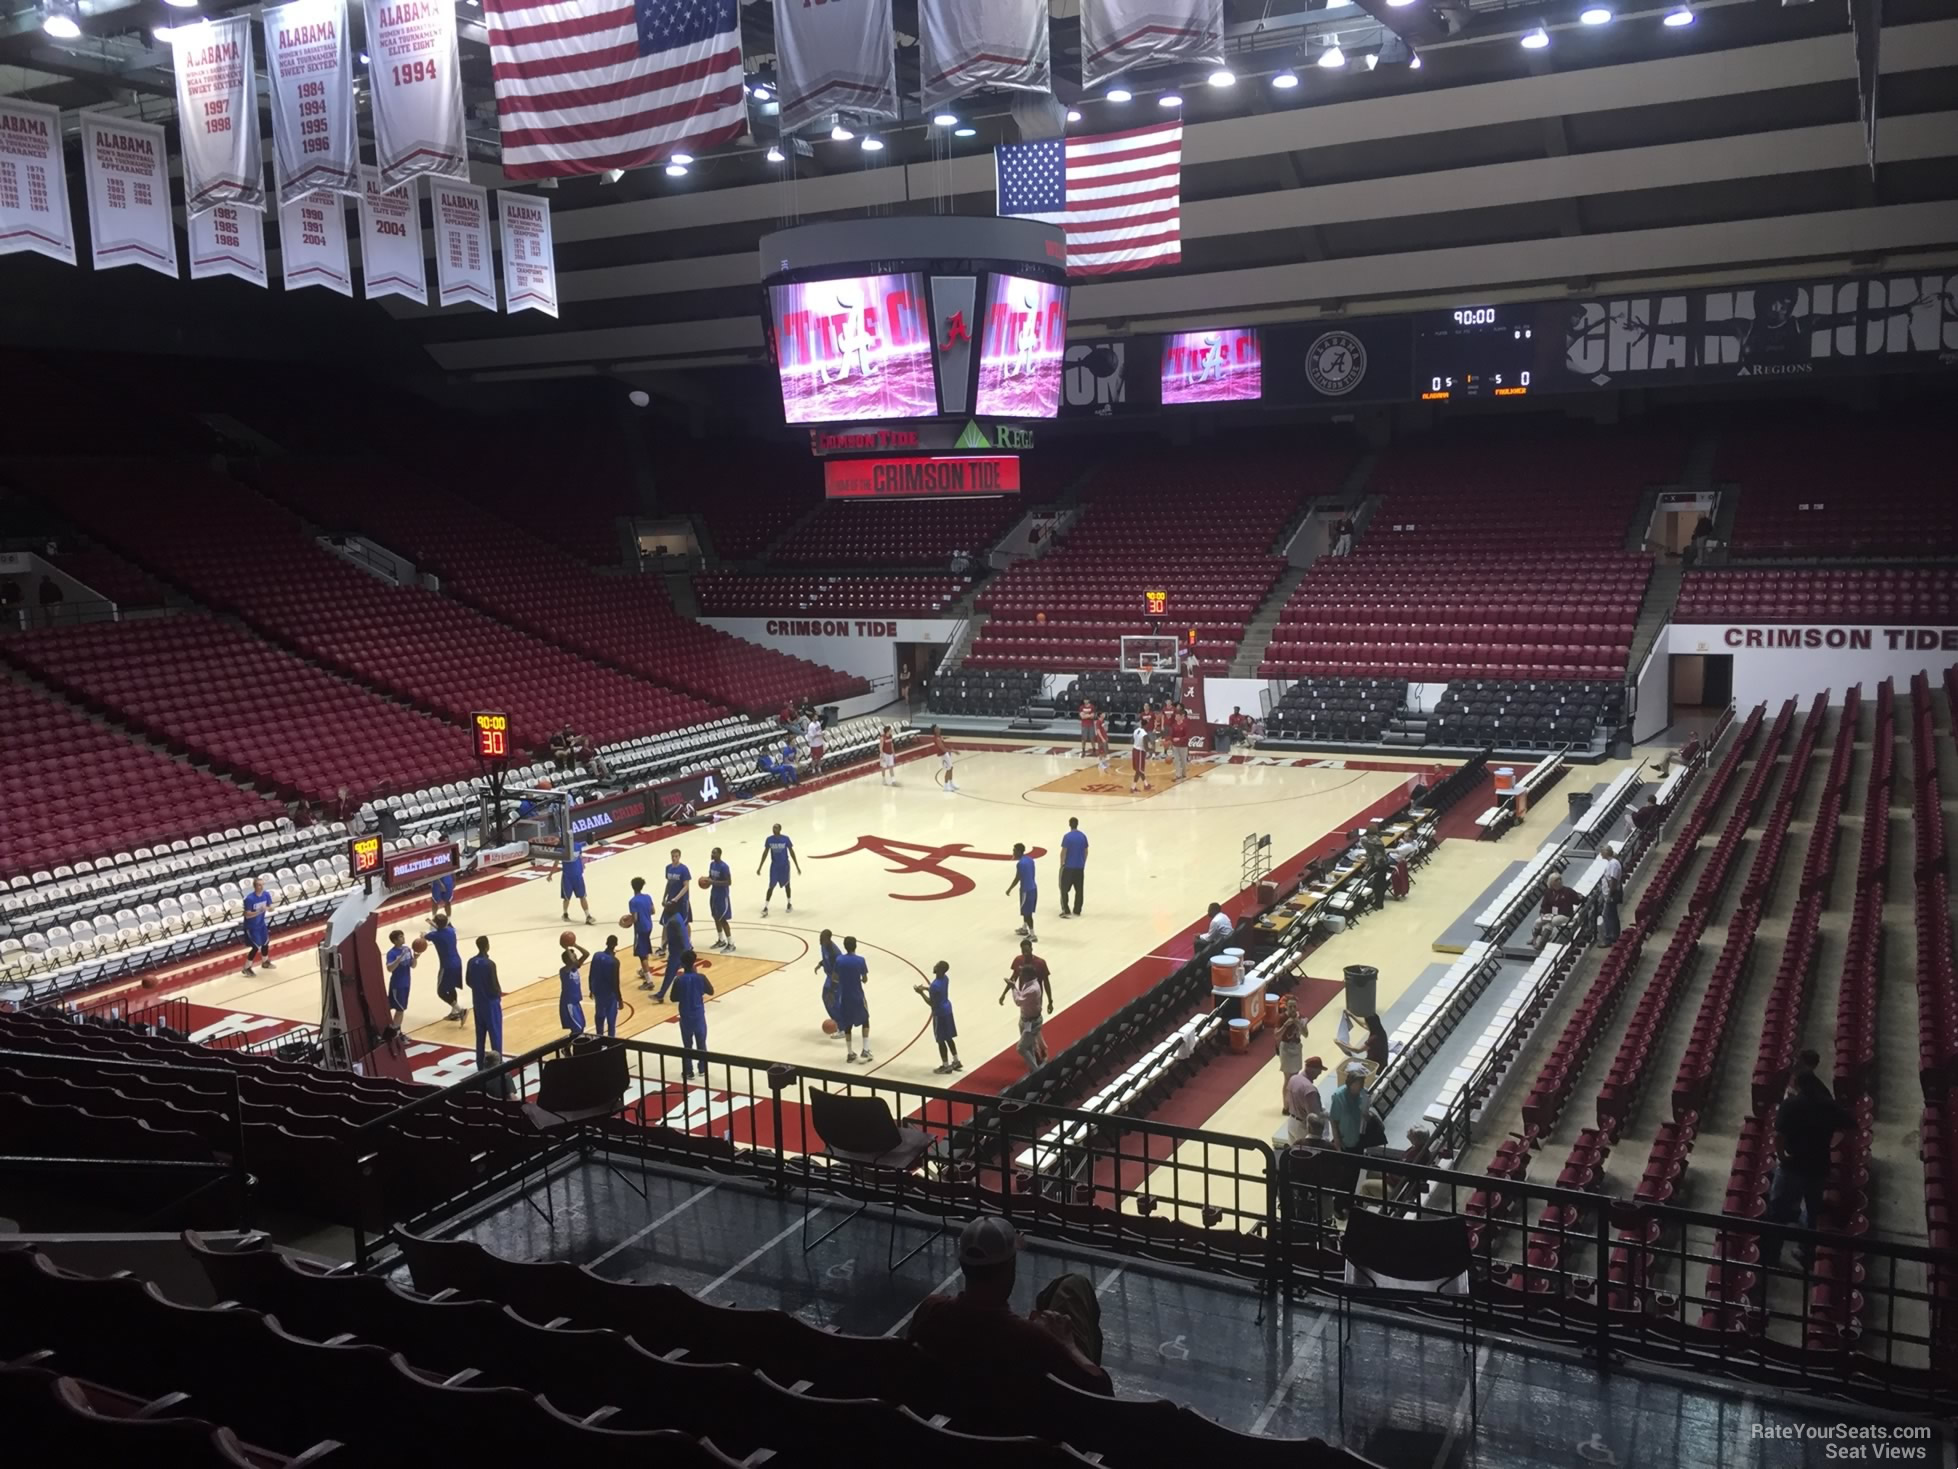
(918, 478)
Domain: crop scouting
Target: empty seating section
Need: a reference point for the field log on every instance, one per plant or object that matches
(1480, 563)
(424, 647)
(1524, 715)
(1346, 710)
(1197, 524)
(897, 533)
(74, 789)
(735, 594)
(983, 694)
(1929, 596)
(1120, 696)
(102, 570)
(627, 622)
(210, 688)
(1845, 488)
(744, 492)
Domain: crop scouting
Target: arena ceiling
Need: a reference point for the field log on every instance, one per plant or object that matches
(1620, 155)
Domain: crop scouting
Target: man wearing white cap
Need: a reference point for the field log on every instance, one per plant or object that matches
(978, 1330)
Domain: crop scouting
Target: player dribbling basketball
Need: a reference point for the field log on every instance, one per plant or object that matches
(1139, 759)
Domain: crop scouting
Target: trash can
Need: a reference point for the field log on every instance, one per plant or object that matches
(1362, 981)
(1580, 802)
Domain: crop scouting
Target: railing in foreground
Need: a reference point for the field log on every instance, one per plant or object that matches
(1660, 1284)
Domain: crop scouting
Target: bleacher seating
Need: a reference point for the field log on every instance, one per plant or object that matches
(246, 709)
(625, 622)
(75, 789)
(1120, 696)
(745, 492)
(1525, 715)
(424, 647)
(1481, 562)
(734, 594)
(1344, 710)
(1198, 524)
(1924, 596)
(898, 532)
(1837, 487)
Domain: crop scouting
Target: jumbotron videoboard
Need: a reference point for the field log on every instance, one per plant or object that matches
(939, 335)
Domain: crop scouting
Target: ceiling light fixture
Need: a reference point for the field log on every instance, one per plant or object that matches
(1285, 80)
(774, 154)
(761, 93)
(1169, 99)
(1595, 15)
(363, 58)
(1120, 94)
(1073, 114)
(1372, 59)
(1536, 40)
(1414, 63)
(1332, 57)
(871, 144)
(945, 120)
(61, 19)
(611, 176)
(840, 134)
(1223, 77)
(1683, 16)
(683, 159)
(181, 4)
(676, 170)
(965, 132)
(1398, 4)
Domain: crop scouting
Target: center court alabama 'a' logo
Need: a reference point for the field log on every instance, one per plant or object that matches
(909, 857)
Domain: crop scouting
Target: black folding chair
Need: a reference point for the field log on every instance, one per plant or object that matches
(861, 1134)
(1429, 1260)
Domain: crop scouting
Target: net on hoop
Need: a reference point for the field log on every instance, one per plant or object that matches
(1146, 654)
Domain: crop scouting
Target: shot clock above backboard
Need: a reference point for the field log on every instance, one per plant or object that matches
(492, 736)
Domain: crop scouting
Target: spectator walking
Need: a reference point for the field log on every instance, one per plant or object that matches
(1028, 982)
(1611, 888)
(1805, 1122)
(1291, 1048)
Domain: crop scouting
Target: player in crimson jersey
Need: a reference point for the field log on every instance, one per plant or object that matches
(944, 761)
(887, 757)
(1087, 725)
(1101, 742)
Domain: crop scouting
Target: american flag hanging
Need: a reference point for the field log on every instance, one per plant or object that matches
(587, 85)
(1118, 197)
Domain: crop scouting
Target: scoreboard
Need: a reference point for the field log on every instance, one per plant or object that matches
(492, 736)
(1474, 352)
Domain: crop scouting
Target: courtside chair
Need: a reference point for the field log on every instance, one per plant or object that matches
(861, 1135)
(1427, 1260)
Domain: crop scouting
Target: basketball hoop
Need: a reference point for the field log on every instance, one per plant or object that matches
(1146, 655)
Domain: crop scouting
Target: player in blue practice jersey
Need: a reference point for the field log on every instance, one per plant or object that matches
(852, 1005)
(448, 964)
(258, 925)
(679, 942)
(1074, 866)
(605, 988)
(720, 901)
(571, 882)
(1024, 880)
(487, 996)
(690, 992)
(640, 909)
(679, 883)
(938, 996)
(400, 965)
(777, 852)
(826, 956)
(441, 894)
(570, 994)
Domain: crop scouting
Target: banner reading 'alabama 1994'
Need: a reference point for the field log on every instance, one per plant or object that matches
(33, 182)
(529, 263)
(217, 114)
(309, 58)
(416, 88)
(128, 177)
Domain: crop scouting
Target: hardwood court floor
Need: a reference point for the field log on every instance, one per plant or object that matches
(918, 875)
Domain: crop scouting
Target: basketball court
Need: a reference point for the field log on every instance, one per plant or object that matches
(917, 875)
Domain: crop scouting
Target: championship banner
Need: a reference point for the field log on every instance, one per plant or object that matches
(309, 59)
(967, 44)
(416, 87)
(529, 266)
(128, 175)
(313, 243)
(464, 270)
(217, 115)
(835, 57)
(228, 239)
(34, 183)
(391, 262)
(1117, 35)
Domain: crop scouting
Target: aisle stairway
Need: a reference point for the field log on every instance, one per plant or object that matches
(1263, 623)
